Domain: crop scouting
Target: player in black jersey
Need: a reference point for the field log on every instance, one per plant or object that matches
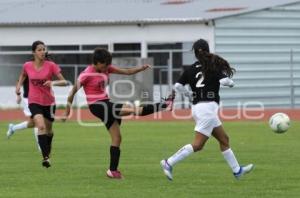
(13, 128)
(204, 77)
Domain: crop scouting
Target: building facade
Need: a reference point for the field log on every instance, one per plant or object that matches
(260, 41)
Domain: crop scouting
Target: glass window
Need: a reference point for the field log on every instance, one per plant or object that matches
(92, 47)
(158, 46)
(120, 55)
(76, 59)
(62, 47)
(14, 58)
(15, 48)
(159, 58)
(127, 47)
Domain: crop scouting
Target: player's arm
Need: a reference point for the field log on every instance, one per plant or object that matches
(19, 98)
(179, 85)
(70, 99)
(60, 82)
(130, 71)
(228, 82)
(180, 88)
(20, 82)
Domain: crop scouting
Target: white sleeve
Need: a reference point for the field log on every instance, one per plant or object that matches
(227, 82)
(181, 89)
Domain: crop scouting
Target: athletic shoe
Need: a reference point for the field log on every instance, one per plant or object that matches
(46, 163)
(10, 131)
(167, 169)
(243, 170)
(169, 101)
(114, 174)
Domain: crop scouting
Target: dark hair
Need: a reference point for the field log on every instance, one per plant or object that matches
(35, 44)
(102, 56)
(200, 44)
(211, 62)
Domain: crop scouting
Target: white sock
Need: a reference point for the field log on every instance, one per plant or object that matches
(231, 160)
(180, 154)
(35, 133)
(20, 126)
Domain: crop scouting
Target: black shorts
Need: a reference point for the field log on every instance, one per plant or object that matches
(107, 111)
(48, 112)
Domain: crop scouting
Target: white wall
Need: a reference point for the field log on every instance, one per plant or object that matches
(105, 34)
(57, 35)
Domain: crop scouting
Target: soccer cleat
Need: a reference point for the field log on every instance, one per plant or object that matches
(167, 169)
(243, 170)
(46, 163)
(10, 131)
(114, 174)
(169, 101)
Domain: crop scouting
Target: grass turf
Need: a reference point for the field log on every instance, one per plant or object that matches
(80, 159)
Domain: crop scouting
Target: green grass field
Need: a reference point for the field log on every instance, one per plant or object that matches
(81, 155)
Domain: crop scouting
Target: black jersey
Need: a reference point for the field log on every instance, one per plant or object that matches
(205, 88)
(25, 88)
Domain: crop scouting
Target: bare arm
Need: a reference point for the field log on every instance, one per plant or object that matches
(72, 93)
(60, 82)
(131, 71)
(70, 99)
(20, 82)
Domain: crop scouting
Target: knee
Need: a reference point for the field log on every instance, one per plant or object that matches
(197, 147)
(41, 128)
(30, 124)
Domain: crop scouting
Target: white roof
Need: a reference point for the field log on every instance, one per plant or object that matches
(64, 12)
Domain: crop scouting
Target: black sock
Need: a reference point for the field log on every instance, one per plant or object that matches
(114, 157)
(49, 140)
(152, 108)
(43, 142)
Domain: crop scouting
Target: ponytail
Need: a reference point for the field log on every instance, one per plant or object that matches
(212, 63)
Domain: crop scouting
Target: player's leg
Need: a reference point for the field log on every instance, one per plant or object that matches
(109, 114)
(144, 110)
(13, 128)
(39, 122)
(198, 143)
(28, 114)
(223, 139)
(148, 109)
(35, 131)
(49, 133)
(116, 138)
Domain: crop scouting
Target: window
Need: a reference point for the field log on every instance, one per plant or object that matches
(127, 47)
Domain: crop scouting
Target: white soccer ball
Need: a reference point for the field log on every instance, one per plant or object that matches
(279, 122)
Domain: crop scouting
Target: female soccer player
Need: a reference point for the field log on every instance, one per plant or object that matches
(41, 99)
(94, 80)
(13, 128)
(204, 77)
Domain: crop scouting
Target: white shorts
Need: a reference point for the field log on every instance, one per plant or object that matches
(206, 117)
(25, 107)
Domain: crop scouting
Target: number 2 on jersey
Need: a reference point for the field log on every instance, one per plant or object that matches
(199, 82)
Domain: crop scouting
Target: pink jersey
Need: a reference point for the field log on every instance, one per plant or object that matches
(38, 93)
(94, 83)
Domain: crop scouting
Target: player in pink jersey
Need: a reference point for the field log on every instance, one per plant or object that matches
(94, 80)
(41, 98)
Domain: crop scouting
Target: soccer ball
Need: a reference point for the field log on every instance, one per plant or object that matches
(279, 122)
